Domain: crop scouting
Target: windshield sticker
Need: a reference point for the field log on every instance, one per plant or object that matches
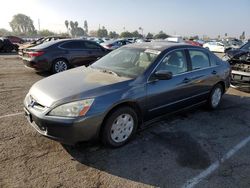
(152, 51)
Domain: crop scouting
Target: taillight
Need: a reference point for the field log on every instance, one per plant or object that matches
(109, 45)
(35, 54)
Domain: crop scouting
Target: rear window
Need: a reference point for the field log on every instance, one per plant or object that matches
(92, 45)
(45, 45)
(73, 45)
(199, 59)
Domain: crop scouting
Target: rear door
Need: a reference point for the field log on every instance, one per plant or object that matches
(94, 52)
(204, 74)
(77, 53)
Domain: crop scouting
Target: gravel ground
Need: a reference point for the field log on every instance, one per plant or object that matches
(167, 154)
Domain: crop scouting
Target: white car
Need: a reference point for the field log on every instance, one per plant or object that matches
(215, 46)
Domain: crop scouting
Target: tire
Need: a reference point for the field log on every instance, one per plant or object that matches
(215, 97)
(119, 127)
(1, 44)
(59, 65)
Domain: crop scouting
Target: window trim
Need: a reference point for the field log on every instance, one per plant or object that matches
(185, 57)
(76, 49)
(100, 48)
(208, 56)
(188, 58)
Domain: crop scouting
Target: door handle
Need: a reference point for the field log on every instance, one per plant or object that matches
(214, 72)
(186, 80)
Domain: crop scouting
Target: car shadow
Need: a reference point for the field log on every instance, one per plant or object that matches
(10, 53)
(155, 153)
(43, 73)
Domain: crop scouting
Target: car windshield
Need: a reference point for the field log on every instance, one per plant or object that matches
(127, 62)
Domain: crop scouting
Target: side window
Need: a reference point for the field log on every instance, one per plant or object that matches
(199, 59)
(92, 46)
(73, 45)
(214, 60)
(174, 62)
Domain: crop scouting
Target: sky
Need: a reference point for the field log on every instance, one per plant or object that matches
(175, 17)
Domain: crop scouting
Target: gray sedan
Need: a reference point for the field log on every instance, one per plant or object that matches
(124, 91)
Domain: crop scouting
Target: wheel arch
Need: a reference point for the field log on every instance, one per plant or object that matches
(59, 58)
(132, 104)
(222, 84)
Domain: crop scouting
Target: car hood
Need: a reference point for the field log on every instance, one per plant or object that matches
(235, 52)
(77, 83)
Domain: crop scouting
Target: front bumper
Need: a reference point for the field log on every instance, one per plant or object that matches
(240, 79)
(65, 130)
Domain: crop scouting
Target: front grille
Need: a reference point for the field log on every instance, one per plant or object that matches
(32, 103)
(241, 67)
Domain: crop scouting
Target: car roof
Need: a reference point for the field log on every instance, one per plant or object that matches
(160, 46)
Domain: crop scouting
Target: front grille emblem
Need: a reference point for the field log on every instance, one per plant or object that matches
(32, 102)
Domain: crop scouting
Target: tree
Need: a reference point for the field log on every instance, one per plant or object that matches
(74, 29)
(93, 33)
(140, 28)
(4, 32)
(79, 32)
(243, 36)
(149, 36)
(136, 34)
(113, 34)
(66, 24)
(161, 35)
(72, 25)
(22, 24)
(103, 32)
(45, 33)
(126, 34)
(85, 26)
(76, 24)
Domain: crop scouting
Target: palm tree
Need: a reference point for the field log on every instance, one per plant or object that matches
(140, 28)
(66, 24)
(76, 24)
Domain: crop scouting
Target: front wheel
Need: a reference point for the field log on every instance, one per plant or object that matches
(59, 65)
(215, 97)
(119, 127)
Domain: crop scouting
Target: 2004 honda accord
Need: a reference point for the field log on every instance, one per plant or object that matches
(125, 90)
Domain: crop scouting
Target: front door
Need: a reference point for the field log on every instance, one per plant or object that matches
(164, 96)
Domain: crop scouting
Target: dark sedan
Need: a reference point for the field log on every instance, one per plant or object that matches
(60, 55)
(124, 91)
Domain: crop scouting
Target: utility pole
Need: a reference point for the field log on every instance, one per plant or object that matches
(38, 24)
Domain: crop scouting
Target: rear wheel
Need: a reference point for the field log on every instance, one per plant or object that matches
(60, 65)
(120, 126)
(215, 97)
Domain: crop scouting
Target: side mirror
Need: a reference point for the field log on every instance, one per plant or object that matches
(163, 75)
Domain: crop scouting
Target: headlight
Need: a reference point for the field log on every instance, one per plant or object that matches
(225, 58)
(73, 109)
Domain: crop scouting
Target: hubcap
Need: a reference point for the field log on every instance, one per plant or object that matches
(60, 66)
(122, 128)
(216, 97)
